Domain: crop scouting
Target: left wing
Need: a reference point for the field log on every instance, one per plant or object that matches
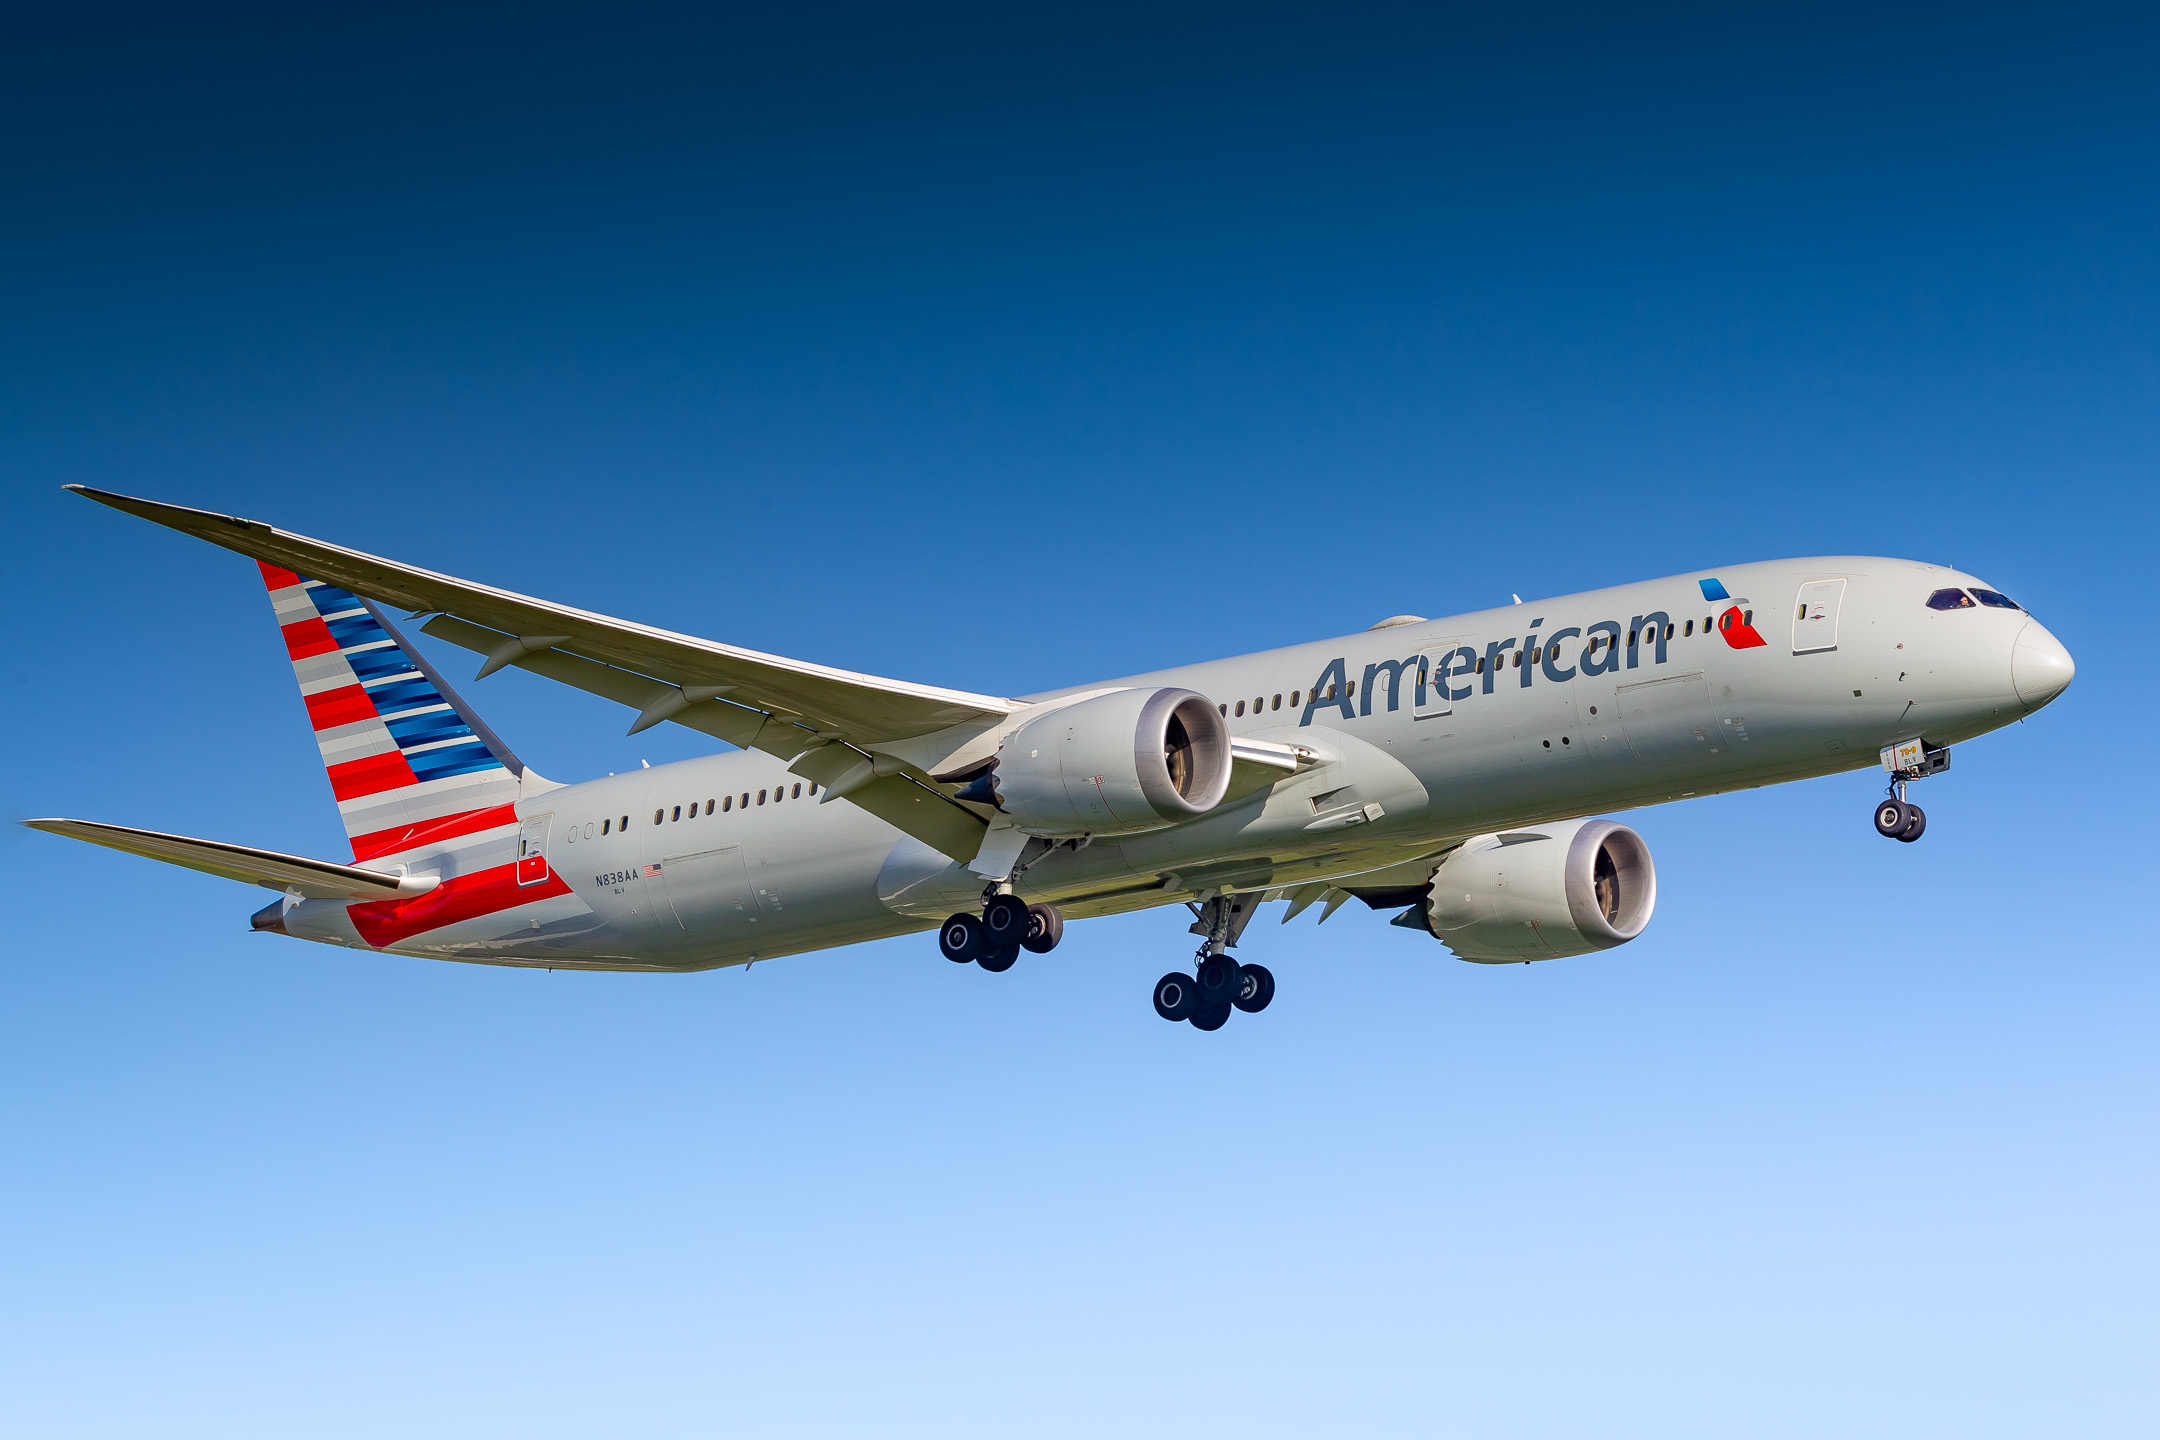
(781, 706)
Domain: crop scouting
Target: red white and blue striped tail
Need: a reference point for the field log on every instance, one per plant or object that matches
(410, 764)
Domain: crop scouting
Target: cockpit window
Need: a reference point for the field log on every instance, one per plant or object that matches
(1995, 599)
(1950, 600)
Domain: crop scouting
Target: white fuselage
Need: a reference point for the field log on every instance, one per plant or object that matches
(1405, 770)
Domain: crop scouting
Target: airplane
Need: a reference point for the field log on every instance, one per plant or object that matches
(1456, 770)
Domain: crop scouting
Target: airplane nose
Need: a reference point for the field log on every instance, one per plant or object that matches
(2040, 669)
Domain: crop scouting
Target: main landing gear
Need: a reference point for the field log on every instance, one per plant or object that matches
(1218, 983)
(1006, 926)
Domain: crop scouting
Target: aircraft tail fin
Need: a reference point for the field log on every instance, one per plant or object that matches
(409, 762)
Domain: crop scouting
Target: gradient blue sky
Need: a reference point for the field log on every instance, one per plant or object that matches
(1007, 351)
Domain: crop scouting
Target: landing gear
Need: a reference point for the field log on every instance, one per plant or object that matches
(1218, 983)
(995, 939)
(1005, 919)
(1900, 820)
(1257, 989)
(1897, 818)
(1045, 928)
(962, 938)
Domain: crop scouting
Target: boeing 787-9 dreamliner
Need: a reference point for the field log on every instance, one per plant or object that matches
(1450, 769)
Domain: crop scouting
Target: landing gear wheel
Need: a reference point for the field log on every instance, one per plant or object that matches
(998, 961)
(1220, 979)
(1915, 823)
(1045, 928)
(1891, 818)
(1005, 920)
(1174, 996)
(1212, 1019)
(1258, 988)
(962, 938)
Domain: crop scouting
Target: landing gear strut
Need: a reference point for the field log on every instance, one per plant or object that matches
(1218, 983)
(1897, 818)
(1006, 926)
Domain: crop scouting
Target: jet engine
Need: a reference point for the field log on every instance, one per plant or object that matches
(1118, 763)
(1542, 892)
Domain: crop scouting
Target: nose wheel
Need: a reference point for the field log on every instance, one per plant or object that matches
(1897, 818)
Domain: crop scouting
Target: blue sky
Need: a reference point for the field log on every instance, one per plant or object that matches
(1008, 352)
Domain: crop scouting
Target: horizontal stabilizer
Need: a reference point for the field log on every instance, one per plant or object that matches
(317, 879)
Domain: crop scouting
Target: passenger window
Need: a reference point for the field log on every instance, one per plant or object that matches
(659, 815)
(795, 793)
(761, 797)
(1350, 691)
(1293, 699)
(1747, 617)
(1690, 629)
(1241, 709)
(1278, 703)
(678, 812)
(1995, 599)
(746, 799)
(813, 787)
(1225, 709)
(623, 824)
(709, 807)
(1949, 600)
(604, 826)
(727, 803)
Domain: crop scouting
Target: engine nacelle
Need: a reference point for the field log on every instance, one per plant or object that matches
(1543, 892)
(1119, 763)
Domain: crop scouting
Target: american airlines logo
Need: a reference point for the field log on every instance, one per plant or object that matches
(1448, 675)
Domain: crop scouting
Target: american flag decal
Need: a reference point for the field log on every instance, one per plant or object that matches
(652, 872)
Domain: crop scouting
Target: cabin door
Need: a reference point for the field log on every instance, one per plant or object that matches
(1815, 616)
(532, 865)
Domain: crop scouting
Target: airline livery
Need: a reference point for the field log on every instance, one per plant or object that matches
(1448, 769)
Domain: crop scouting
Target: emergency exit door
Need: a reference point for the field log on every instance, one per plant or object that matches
(1815, 616)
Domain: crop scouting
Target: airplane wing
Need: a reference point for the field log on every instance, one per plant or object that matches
(781, 706)
(830, 703)
(319, 879)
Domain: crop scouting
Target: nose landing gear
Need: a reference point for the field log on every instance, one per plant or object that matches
(1900, 819)
(1897, 818)
(1218, 983)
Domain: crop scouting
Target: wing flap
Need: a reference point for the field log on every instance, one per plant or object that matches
(318, 879)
